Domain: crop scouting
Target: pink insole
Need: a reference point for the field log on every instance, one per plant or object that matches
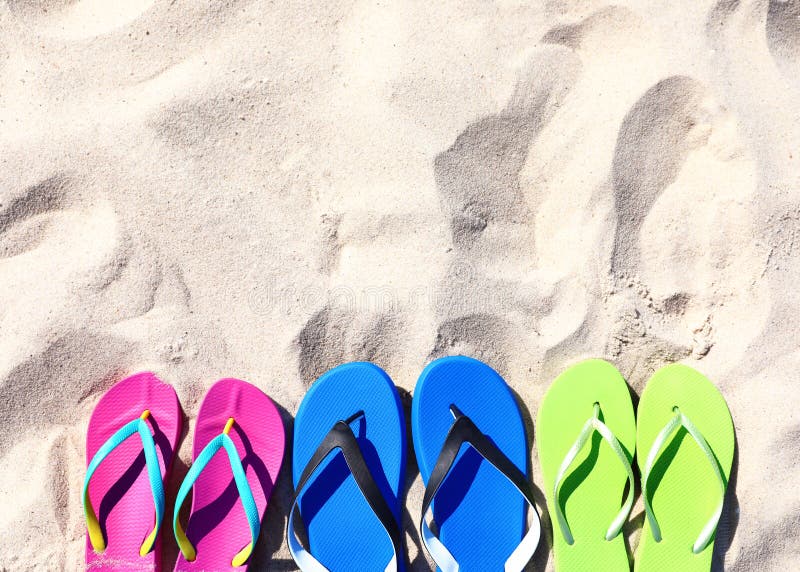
(120, 489)
(217, 524)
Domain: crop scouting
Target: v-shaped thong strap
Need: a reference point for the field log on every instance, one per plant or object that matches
(593, 424)
(242, 485)
(678, 420)
(141, 427)
(464, 431)
(341, 438)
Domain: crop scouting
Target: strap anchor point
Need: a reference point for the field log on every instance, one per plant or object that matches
(455, 411)
(228, 426)
(353, 417)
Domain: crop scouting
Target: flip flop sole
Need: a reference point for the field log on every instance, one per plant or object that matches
(481, 516)
(217, 525)
(683, 488)
(592, 490)
(343, 532)
(120, 489)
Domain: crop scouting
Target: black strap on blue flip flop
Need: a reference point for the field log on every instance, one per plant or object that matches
(341, 437)
(464, 431)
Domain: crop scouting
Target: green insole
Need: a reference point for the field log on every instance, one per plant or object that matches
(591, 493)
(683, 488)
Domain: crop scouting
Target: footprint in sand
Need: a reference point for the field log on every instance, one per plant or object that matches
(62, 257)
(334, 335)
(478, 177)
(483, 336)
(82, 295)
(783, 36)
(478, 180)
(652, 145)
(76, 20)
(677, 190)
(53, 245)
(682, 184)
(124, 43)
(49, 236)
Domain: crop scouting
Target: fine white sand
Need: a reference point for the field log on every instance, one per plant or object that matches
(267, 189)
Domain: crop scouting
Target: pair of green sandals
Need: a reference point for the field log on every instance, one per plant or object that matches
(683, 440)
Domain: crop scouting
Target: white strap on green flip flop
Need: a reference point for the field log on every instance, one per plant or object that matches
(677, 421)
(594, 424)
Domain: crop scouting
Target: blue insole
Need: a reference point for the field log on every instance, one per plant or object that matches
(343, 532)
(480, 514)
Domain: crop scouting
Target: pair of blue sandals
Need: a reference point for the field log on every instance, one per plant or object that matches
(349, 471)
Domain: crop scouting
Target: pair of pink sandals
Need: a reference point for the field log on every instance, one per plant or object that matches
(123, 481)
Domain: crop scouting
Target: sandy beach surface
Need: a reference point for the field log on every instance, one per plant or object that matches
(265, 190)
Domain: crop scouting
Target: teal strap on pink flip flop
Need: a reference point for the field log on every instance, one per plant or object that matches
(141, 427)
(222, 441)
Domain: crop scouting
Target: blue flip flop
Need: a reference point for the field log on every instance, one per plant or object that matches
(348, 472)
(469, 437)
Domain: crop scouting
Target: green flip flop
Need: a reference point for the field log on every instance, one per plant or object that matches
(686, 442)
(586, 436)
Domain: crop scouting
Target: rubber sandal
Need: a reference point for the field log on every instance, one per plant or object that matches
(237, 417)
(686, 445)
(469, 437)
(349, 468)
(125, 474)
(586, 438)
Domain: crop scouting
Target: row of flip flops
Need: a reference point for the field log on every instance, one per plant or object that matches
(469, 437)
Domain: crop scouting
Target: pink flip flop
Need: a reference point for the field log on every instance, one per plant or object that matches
(125, 476)
(220, 536)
